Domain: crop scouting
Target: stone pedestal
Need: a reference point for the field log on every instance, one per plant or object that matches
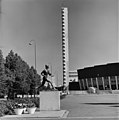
(49, 100)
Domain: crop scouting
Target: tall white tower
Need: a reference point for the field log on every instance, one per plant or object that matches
(65, 48)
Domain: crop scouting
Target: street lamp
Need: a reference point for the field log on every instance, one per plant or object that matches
(30, 43)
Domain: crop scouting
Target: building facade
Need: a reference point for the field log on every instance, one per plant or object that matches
(73, 76)
(103, 77)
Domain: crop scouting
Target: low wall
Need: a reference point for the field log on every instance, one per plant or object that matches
(77, 92)
(97, 92)
(115, 91)
(104, 91)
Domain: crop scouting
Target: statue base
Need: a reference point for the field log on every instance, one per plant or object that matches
(49, 100)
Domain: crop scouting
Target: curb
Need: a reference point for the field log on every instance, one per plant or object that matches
(65, 114)
(42, 114)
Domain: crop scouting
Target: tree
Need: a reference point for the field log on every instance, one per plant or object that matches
(19, 69)
(35, 81)
(22, 73)
(2, 75)
(11, 61)
(9, 79)
(24, 78)
(10, 70)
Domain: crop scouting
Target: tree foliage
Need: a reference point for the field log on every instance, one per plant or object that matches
(34, 80)
(2, 75)
(20, 78)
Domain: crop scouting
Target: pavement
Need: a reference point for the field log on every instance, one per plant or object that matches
(79, 107)
(39, 114)
(92, 105)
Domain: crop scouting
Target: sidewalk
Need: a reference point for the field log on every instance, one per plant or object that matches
(39, 114)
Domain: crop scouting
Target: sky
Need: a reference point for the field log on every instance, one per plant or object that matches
(93, 32)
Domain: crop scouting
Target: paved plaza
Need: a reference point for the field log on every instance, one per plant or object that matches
(92, 105)
(86, 107)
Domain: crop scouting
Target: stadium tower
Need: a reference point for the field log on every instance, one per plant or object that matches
(65, 50)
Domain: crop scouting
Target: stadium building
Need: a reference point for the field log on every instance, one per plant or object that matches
(103, 77)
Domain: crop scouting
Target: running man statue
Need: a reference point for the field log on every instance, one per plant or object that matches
(45, 74)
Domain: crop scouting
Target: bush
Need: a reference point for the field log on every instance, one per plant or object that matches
(6, 107)
(28, 101)
(36, 101)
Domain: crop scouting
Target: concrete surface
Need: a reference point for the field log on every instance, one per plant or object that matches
(92, 105)
(39, 114)
(74, 92)
(49, 100)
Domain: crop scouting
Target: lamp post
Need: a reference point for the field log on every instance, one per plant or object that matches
(30, 43)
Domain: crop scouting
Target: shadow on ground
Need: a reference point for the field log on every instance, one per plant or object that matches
(101, 103)
(115, 104)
